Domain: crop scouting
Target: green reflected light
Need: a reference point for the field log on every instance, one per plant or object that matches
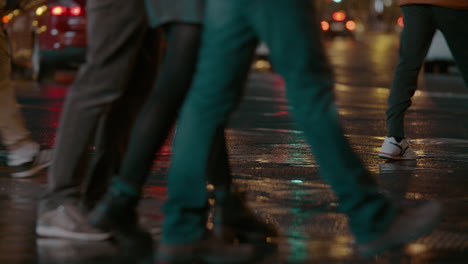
(297, 181)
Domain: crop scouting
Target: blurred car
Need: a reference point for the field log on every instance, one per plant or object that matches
(338, 24)
(45, 36)
(439, 57)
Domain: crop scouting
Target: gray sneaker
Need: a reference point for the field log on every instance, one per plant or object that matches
(68, 221)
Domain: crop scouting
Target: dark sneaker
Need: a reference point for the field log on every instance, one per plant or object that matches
(40, 161)
(409, 224)
(234, 221)
(209, 250)
(68, 221)
(116, 213)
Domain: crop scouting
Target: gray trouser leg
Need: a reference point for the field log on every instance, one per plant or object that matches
(115, 30)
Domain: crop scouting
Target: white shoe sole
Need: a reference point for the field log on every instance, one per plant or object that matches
(395, 157)
(62, 233)
(31, 172)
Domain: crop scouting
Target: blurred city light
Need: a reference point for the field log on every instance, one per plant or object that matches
(401, 22)
(325, 25)
(40, 10)
(296, 181)
(58, 10)
(388, 3)
(351, 25)
(76, 11)
(6, 19)
(339, 16)
(379, 6)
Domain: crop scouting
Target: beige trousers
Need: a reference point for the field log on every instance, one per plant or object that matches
(13, 132)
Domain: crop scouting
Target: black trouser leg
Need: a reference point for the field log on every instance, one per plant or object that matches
(160, 111)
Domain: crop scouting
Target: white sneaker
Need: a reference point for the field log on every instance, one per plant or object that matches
(23, 154)
(68, 221)
(29, 160)
(391, 149)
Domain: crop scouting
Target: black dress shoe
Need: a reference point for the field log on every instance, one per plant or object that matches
(136, 248)
(116, 213)
(409, 224)
(234, 221)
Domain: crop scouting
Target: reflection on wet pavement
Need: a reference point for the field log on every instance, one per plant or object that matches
(58, 251)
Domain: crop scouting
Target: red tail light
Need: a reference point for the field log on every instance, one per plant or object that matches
(6, 19)
(350, 25)
(58, 10)
(401, 22)
(76, 11)
(325, 26)
(339, 16)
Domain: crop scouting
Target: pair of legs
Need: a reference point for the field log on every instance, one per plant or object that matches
(116, 212)
(421, 21)
(232, 30)
(162, 106)
(101, 105)
(13, 131)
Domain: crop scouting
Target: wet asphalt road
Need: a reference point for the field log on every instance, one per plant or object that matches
(271, 161)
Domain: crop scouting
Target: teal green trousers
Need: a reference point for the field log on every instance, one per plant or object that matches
(421, 21)
(231, 33)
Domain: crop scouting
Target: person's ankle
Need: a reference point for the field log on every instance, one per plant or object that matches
(121, 187)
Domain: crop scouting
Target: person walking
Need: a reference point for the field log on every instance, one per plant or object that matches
(181, 21)
(24, 156)
(421, 19)
(232, 30)
(110, 87)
